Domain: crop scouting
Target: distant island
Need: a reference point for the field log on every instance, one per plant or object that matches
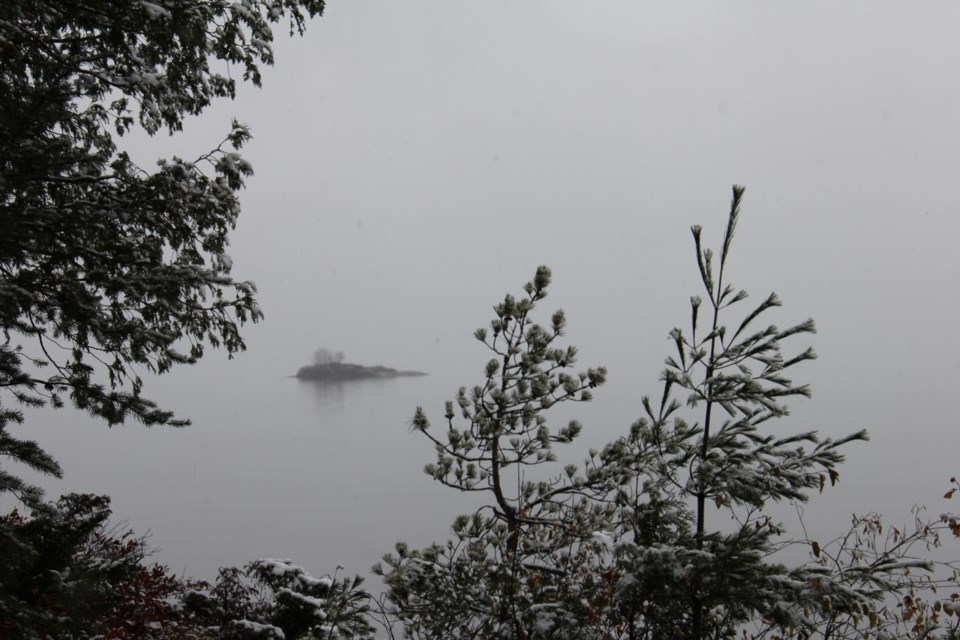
(328, 366)
(332, 371)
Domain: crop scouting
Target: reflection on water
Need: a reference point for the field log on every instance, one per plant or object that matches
(328, 394)
(333, 397)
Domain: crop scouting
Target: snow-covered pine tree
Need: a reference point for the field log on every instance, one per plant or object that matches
(679, 572)
(665, 533)
(508, 573)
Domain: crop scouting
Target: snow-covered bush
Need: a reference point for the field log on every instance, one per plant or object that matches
(64, 575)
(276, 599)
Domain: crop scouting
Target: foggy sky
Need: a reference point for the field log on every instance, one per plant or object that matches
(415, 161)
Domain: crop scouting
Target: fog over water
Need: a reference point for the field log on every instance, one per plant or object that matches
(416, 161)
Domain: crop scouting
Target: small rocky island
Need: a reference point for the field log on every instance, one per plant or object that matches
(328, 366)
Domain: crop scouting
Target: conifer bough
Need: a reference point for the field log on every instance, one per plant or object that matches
(108, 268)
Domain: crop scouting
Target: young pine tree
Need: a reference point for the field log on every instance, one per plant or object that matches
(507, 572)
(695, 541)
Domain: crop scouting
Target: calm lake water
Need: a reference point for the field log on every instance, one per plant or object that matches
(330, 474)
(323, 474)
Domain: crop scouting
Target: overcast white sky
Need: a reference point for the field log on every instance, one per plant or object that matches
(414, 161)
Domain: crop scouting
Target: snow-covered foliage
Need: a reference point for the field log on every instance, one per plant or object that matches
(64, 574)
(276, 599)
(503, 574)
(107, 268)
(662, 533)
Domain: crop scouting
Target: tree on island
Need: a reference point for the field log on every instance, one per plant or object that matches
(323, 356)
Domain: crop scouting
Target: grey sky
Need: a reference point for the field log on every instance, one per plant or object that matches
(415, 161)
